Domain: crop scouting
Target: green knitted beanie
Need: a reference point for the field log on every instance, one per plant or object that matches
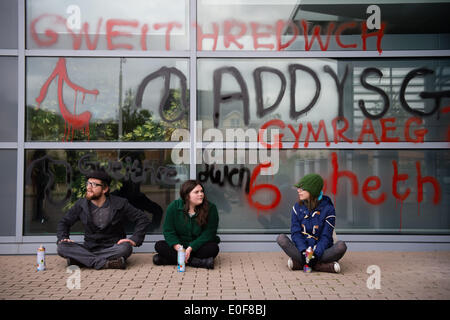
(313, 183)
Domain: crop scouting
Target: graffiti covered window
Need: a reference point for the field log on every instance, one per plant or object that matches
(8, 192)
(322, 25)
(8, 24)
(327, 100)
(54, 181)
(374, 191)
(8, 100)
(108, 25)
(105, 99)
(269, 90)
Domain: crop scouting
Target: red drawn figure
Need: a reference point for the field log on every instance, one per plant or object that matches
(72, 120)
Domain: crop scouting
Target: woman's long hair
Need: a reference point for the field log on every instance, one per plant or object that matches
(311, 203)
(202, 209)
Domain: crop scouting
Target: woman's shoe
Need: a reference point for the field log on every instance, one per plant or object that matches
(159, 260)
(332, 267)
(294, 264)
(207, 263)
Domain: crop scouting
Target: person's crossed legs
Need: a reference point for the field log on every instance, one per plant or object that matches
(96, 259)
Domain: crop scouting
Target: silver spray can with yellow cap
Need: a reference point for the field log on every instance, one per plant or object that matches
(41, 258)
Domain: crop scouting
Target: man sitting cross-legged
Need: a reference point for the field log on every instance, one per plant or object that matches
(103, 217)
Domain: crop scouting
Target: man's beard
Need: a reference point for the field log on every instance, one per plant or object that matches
(93, 196)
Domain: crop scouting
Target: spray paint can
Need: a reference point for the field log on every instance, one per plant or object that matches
(308, 256)
(181, 257)
(41, 258)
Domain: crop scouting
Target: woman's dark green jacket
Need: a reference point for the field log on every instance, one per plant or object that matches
(179, 228)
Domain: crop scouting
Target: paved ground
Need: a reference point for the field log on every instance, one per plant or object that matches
(244, 275)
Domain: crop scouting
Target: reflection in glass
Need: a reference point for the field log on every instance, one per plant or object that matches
(8, 192)
(358, 100)
(55, 180)
(8, 100)
(8, 24)
(105, 99)
(108, 25)
(322, 25)
(374, 191)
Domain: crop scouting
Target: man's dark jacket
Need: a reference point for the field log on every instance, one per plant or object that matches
(94, 237)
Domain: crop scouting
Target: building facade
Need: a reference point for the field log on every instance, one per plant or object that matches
(246, 96)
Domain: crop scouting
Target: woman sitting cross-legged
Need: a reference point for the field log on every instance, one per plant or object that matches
(312, 224)
(191, 222)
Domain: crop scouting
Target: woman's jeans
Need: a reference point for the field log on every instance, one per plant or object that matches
(334, 253)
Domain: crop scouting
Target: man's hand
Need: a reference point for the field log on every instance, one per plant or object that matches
(66, 240)
(127, 240)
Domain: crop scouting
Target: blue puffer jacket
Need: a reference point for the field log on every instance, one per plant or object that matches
(313, 228)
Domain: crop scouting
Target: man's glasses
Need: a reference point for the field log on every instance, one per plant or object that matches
(93, 184)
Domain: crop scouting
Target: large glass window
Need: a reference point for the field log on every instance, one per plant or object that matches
(108, 25)
(8, 24)
(374, 191)
(8, 99)
(105, 99)
(331, 100)
(55, 180)
(322, 25)
(8, 177)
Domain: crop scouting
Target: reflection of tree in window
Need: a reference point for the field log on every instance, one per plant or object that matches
(139, 123)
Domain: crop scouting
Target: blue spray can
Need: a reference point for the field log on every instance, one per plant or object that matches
(181, 257)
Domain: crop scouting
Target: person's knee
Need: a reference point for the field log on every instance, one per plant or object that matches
(341, 246)
(215, 250)
(159, 245)
(63, 248)
(282, 240)
(126, 249)
(60, 250)
(209, 249)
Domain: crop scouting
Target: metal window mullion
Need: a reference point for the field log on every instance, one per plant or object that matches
(193, 88)
(102, 145)
(324, 146)
(369, 145)
(20, 121)
(106, 53)
(8, 52)
(323, 54)
(8, 145)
